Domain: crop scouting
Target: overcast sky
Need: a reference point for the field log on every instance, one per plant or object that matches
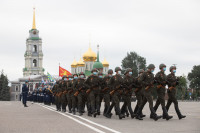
(159, 30)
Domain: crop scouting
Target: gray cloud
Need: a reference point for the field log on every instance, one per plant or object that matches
(161, 31)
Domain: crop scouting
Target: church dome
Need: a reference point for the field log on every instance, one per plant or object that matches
(105, 63)
(74, 63)
(80, 63)
(89, 55)
(98, 65)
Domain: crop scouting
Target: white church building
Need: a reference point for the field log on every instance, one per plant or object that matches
(33, 70)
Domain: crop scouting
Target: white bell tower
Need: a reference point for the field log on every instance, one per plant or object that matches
(33, 55)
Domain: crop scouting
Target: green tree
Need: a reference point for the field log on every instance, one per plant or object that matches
(182, 87)
(135, 62)
(4, 88)
(194, 78)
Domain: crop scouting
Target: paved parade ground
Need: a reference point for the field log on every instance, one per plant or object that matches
(39, 118)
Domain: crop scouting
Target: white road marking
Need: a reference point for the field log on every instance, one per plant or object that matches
(89, 121)
(76, 120)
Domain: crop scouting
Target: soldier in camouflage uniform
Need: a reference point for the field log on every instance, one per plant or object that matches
(147, 81)
(74, 99)
(115, 84)
(70, 93)
(56, 90)
(93, 83)
(161, 80)
(172, 81)
(106, 91)
(139, 94)
(80, 92)
(100, 93)
(63, 86)
(128, 84)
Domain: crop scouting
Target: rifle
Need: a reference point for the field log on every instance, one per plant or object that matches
(50, 90)
(88, 91)
(136, 90)
(106, 88)
(170, 88)
(113, 91)
(59, 94)
(70, 91)
(147, 88)
(64, 92)
(159, 86)
(77, 92)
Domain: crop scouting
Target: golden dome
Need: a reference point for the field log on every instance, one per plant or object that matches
(89, 55)
(74, 63)
(80, 63)
(105, 63)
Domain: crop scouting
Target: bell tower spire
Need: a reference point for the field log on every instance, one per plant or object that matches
(34, 26)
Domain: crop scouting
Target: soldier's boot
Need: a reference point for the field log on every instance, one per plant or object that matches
(98, 110)
(94, 114)
(165, 114)
(138, 114)
(121, 116)
(25, 105)
(89, 114)
(70, 109)
(180, 116)
(142, 115)
(155, 109)
(127, 113)
(155, 117)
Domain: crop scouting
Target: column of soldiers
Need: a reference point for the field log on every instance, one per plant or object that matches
(77, 93)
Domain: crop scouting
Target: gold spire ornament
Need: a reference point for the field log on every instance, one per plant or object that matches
(34, 26)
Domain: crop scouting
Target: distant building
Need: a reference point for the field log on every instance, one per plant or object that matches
(33, 70)
(90, 61)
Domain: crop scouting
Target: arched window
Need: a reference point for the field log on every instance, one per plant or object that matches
(34, 63)
(16, 89)
(35, 48)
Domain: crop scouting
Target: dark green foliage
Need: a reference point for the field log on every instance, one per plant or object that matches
(135, 62)
(194, 78)
(4, 88)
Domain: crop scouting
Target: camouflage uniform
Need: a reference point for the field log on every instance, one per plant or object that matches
(115, 84)
(79, 87)
(56, 90)
(63, 86)
(69, 95)
(173, 82)
(106, 93)
(139, 93)
(93, 83)
(161, 81)
(147, 81)
(128, 84)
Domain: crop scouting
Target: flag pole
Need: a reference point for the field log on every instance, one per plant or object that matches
(59, 70)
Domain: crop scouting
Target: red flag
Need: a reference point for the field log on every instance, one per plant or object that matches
(63, 72)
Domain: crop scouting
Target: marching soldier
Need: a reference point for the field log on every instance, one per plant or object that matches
(172, 81)
(93, 83)
(63, 86)
(79, 87)
(147, 81)
(100, 93)
(116, 83)
(161, 80)
(128, 85)
(139, 94)
(57, 92)
(69, 93)
(106, 91)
